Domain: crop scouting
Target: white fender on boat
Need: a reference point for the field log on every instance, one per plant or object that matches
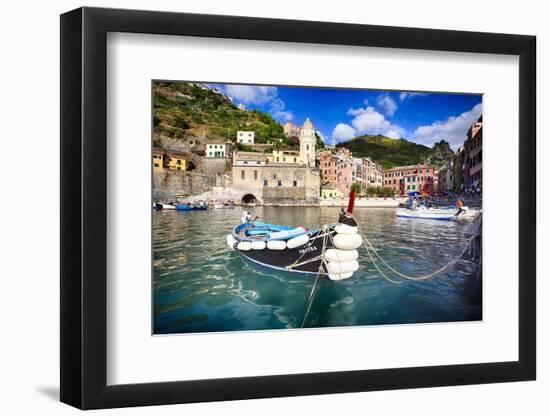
(342, 267)
(244, 246)
(337, 255)
(258, 245)
(276, 245)
(340, 277)
(347, 242)
(345, 229)
(297, 241)
(231, 241)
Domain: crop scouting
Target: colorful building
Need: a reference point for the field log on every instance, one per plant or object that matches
(158, 159)
(472, 171)
(339, 169)
(175, 161)
(410, 178)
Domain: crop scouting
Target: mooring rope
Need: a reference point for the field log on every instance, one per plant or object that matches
(368, 245)
(311, 294)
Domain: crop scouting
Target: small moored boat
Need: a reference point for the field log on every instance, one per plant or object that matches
(423, 212)
(189, 207)
(330, 250)
(163, 206)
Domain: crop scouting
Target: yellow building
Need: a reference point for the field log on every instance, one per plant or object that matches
(158, 160)
(286, 157)
(330, 192)
(175, 161)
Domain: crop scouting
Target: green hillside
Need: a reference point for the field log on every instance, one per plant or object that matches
(184, 110)
(397, 152)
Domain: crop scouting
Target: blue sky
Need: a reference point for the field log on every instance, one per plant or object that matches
(340, 114)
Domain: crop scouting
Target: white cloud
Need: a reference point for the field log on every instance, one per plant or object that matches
(369, 121)
(343, 132)
(406, 95)
(251, 94)
(278, 110)
(453, 130)
(388, 104)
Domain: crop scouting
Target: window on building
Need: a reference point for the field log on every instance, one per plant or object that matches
(274, 176)
(294, 183)
(279, 183)
(265, 183)
(242, 174)
(255, 175)
(414, 187)
(156, 165)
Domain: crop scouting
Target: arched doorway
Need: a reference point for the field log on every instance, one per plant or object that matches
(249, 199)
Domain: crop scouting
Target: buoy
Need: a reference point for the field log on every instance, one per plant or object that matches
(337, 255)
(244, 246)
(345, 229)
(297, 241)
(258, 245)
(231, 241)
(340, 277)
(276, 245)
(342, 267)
(347, 242)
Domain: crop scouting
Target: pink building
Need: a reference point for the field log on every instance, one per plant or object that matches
(338, 169)
(410, 178)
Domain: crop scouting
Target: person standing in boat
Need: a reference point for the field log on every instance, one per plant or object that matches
(246, 217)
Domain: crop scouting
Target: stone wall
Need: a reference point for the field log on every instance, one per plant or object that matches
(167, 184)
(278, 184)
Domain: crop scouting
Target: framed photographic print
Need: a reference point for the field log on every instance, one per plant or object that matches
(257, 208)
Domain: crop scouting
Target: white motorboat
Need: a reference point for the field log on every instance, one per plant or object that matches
(423, 212)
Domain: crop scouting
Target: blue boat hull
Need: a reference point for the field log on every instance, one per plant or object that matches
(183, 207)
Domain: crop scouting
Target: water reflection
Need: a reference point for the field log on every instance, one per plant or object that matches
(200, 285)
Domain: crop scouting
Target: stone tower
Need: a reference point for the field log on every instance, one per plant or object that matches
(307, 143)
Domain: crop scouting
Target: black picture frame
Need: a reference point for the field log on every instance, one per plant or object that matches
(84, 207)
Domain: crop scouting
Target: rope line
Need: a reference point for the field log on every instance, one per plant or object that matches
(368, 245)
(311, 294)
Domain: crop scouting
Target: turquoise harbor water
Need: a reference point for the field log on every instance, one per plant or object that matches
(200, 285)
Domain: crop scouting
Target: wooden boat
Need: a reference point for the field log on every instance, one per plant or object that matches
(330, 250)
(188, 207)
